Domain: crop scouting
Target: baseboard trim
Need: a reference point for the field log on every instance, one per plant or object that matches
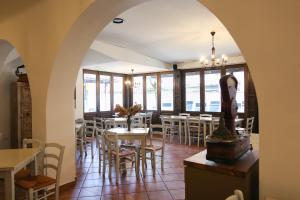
(67, 186)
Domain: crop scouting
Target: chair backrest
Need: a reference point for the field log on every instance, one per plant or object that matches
(79, 120)
(157, 133)
(238, 195)
(185, 114)
(193, 124)
(99, 123)
(53, 158)
(109, 123)
(110, 142)
(148, 118)
(137, 121)
(215, 125)
(206, 115)
(249, 125)
(89, 128)
(166, 121)
(27, 143)
(98, 133)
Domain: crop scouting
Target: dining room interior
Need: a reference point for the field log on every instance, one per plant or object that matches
(170, 105)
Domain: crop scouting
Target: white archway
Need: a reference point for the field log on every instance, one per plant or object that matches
(249, 29)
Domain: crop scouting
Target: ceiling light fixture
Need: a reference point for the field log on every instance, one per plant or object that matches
(128, 82)
(118, 20)
(214, 62)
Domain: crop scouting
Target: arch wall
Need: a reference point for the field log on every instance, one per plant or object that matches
(58, 33)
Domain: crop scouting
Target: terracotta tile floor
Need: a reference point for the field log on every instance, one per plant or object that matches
(167, 184)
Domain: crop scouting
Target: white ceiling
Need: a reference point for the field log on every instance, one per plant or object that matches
(170, 30)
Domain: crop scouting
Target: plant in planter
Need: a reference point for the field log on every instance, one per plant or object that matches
(128, 112)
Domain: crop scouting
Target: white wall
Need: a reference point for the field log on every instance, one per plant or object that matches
(79, 95)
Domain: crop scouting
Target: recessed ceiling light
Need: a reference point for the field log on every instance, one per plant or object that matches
(118, 20)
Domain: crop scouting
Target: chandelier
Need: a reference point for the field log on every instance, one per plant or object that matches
(214, 62)
(128, 81)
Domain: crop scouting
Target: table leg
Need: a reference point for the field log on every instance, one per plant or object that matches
(9, 185)
(204, 134)
(180, 127)
(143, 143)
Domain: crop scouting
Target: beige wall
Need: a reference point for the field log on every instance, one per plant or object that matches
(267, 33)
(7, 77)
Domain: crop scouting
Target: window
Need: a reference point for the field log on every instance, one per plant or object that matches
(240, 94)
(105, 93)
(192, 91)
(89, 93)
(118, 90)
(212, 91)
(138, 90)
(167, 101)
(151, 92)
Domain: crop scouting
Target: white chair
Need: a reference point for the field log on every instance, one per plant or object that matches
(206, 115)
(41, 186)
(118, 154)
(99, 122)
(137, 121)
(32, 143)
(89, 134)
(238, 195)
(184, 126)
(109, 123)
(248, 128)
(194, 129)
(157, 143)
(148, 119)
(167, 126)
(101, 149)
(185, 114)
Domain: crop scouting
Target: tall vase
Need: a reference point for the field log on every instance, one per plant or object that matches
(129, 122)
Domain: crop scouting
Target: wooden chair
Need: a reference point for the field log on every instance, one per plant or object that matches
(89, 134)
(248, 128)
(185, 114)
(194, 129)
(156, 136)
(80, 140)
(167, 126)
(238, 195)
(41, 186)
(184, 126)
(206, 115)
(118, 154)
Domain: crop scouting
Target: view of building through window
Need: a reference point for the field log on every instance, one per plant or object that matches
(151, 92)
(118, 90)
(89, 97)
(167, 92)
(105, 93)
(212, 91)
(137, 90)
(192, 91)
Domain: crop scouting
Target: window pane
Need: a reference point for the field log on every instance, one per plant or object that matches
(212, 91)
(89, 92)
(167, 101)
(104, 93)
(240, 95)
(192, 91)
(118, 91)
(138, 96)
(151, 92)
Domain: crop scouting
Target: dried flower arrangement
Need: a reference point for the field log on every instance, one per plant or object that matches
(128, 112)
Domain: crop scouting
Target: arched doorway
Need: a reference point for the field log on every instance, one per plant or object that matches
(15, 106)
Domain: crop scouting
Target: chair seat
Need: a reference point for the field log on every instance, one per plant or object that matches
(124, 153)
(153, 148)
(23, 173)
(35, 182)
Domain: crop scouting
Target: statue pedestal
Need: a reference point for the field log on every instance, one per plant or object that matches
(227, 151)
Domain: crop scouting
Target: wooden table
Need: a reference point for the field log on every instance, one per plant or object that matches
(134, 134)
(205, 179)
(11, 161)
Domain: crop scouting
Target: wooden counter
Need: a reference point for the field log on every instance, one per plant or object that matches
(205, 179)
